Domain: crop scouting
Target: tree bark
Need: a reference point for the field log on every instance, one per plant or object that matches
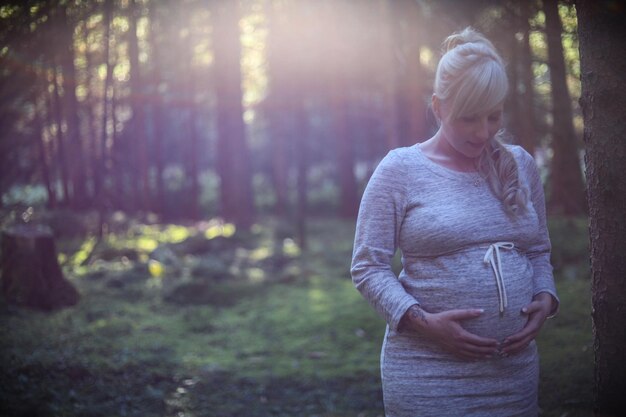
(567, 189)
(527, 130)
(100, 170)
(43, 159)
(603, 65)
(280, 69)
(60, 136)
(138, 126)
(232, 148)
(390, 111)
(157, 110)
(408, 71)
(78, 177)
(31, 276)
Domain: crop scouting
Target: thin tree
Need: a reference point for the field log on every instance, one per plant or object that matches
(72, 119)
(158, 116)
(280, 69)
(139, 138)
(526, 101)
(603, 65)
(567, 189)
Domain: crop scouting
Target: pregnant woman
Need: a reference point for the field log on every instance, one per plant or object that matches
(468, 214)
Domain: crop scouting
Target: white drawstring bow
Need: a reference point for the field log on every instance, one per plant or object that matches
(493, 257)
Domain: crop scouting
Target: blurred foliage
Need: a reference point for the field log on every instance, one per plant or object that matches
(241, 325)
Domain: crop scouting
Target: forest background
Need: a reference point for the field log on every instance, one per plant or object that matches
(200, 164)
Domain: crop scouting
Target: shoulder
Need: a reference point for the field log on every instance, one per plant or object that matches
(395, 159)
(524, 160)
(391, 171)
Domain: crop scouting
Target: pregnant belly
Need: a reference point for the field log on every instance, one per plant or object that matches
(462, 280)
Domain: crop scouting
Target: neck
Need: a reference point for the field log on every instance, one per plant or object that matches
(439, 150)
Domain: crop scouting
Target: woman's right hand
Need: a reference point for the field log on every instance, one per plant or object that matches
(445, 329)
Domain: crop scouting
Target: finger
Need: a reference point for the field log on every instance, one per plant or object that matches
(480, 351)
(464, 314)
(531, 308)
(479, 341)
(477, 352)
(517, 347)
(519, 342)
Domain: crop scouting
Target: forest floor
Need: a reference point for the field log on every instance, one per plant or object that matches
(203, 320)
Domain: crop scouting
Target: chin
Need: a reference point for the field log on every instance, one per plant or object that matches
(474, 151)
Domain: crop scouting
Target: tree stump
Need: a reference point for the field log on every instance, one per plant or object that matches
(31, 275)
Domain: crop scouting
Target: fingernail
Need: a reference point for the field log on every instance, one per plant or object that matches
(480, 310)
(524, 310)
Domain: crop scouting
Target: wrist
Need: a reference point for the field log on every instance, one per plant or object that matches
(546, 300)
(415, 319)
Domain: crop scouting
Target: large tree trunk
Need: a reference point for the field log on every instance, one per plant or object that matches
(31, 276)
(232, 149)
(567, 189)
(603, 65)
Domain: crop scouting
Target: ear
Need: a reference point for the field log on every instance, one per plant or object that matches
(436, 104)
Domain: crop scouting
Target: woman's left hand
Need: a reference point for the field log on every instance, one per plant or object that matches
(537, 312)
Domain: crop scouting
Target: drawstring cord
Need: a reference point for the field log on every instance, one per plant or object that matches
(493, 257)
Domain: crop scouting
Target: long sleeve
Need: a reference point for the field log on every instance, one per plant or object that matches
(380, 217)
(539, 251)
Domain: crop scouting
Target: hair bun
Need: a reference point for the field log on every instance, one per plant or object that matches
(467, 35)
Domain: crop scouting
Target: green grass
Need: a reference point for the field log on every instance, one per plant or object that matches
(265, 343)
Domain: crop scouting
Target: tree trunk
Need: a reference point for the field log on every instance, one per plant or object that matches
(192, 165)
(138, 125)
(527, 129)
(567, 190)
(31, 276)
(279, 71)
(232, 148)
(345, 153)
(100, 170)
(408, 71)
(302, 150)
(90, 102)
(389, 88)
(60, 136)
(157, 111)
(603, 65)
(79, 189)
(43, 160)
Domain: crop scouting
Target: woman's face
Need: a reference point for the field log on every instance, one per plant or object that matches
(468, 135)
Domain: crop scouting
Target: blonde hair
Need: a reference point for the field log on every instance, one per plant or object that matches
(471, 79)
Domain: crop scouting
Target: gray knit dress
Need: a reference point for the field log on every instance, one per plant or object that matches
(459, 250)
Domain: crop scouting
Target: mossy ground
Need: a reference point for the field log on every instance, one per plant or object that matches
(283, 334)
